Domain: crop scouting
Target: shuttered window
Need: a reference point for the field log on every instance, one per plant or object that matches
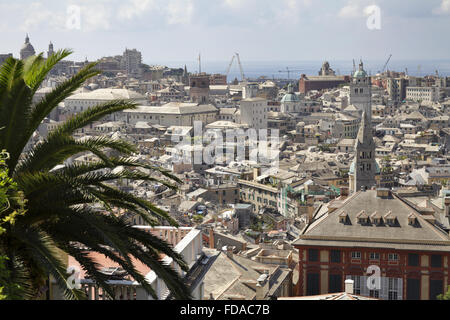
(436, 261)
(335, 256)
(313, 255)
(335, 283)
(413, 289)
(413, 260)
(436, 288)
(312, 284)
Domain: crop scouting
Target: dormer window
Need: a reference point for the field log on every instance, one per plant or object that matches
(362, 217)
(412, 219)
(343, 217)
(376, 218)
(390, 218)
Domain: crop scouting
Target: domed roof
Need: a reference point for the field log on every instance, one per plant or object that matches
(27, 49)
(290, 97)
(360, 73)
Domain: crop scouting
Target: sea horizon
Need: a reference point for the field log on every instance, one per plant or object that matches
(276, 69)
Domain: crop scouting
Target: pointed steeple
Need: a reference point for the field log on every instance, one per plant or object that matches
(365, 135)
(364, 166)
(27, 39)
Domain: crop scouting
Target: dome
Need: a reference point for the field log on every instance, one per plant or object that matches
(27, 49)
(290, 97)
(360, 74)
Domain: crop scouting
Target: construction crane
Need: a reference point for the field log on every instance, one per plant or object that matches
(231, 63)
(240, 66)
(289, 71)
(386, 64)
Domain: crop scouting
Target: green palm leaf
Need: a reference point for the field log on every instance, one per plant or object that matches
(71, 207)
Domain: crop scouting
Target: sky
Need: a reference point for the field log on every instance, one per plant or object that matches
(260, 30)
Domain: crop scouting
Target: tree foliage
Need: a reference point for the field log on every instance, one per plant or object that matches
(60, 196)
(445, 296)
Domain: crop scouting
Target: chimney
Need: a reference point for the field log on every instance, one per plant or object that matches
(211, 238)
(262, 286)
(256, 173)
(349, 286)
(447, 206)
(383, 193)
(230, 251)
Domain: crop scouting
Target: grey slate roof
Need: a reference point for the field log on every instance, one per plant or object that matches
(329, 231)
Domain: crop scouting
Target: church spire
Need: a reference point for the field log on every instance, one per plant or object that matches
(365, 167)
(365, 136)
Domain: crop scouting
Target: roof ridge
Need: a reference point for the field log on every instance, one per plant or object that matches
(419, 216)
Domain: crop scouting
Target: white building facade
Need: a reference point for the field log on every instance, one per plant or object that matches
(423, 94)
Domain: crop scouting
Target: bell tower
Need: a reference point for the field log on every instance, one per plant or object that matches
(50, 50)
(365, 166)
(199, 88)
(361, 92)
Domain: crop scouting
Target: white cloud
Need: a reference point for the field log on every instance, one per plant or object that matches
(135, 8)
(443, 9)
(356, 9)
(351, 10)
(37, 15)
(180, 11)
(95, 17)
(235, 4)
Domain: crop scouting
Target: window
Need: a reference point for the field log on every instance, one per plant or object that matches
(374, 256)
(356, 255)
(413, 260)
(312, 284)
(374, 293)
(313, 255)
(335, 256)
(393, 257)
(356, 284)
(436, 288)
(335, 283)
(413, 289)
(436, 261)
(393, 289)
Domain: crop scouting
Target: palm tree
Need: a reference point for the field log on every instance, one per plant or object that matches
(60, 196)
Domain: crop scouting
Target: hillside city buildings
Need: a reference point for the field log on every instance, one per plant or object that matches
(359, 180)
